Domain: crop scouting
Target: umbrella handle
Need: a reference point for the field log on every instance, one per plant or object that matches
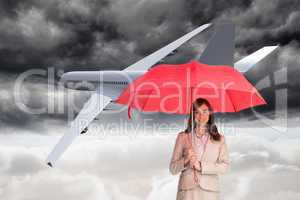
(193, 136)
(193, 133)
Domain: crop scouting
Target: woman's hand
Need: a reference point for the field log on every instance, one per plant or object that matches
(196, 164)
(192, 160)
(190, 157)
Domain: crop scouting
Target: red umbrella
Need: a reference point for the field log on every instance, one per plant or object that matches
(172, 88)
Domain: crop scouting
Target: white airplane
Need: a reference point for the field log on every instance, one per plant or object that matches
(108, 85)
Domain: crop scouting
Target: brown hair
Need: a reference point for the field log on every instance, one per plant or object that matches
(211, 127)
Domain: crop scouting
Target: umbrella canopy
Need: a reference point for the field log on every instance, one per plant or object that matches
(172, 88)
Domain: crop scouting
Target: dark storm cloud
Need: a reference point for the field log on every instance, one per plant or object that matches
(96, 35)
(101, 34)
(44, 33)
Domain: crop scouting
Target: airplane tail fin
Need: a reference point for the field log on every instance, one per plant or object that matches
(220, 49)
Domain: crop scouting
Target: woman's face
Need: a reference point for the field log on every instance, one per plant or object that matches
(202, 114)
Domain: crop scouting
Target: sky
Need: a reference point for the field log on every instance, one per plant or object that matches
(57, 36)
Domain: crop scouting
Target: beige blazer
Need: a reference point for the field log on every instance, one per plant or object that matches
(215, 161)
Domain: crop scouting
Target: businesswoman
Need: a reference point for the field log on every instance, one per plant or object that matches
(201, 159)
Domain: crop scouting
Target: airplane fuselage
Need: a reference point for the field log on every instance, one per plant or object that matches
(89, 80)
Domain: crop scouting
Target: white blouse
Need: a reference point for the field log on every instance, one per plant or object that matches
(199, 144)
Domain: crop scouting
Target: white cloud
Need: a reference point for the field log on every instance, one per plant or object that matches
(123, 167)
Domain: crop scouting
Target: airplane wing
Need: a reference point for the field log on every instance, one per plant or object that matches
(248, 62)
(150, 60)
(90, 110)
